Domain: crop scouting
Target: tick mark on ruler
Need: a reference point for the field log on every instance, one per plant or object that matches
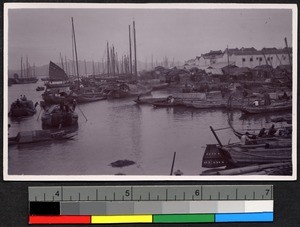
(96, 194)
(227, 197)
(149, 195)
(44, 196)
(253, 195)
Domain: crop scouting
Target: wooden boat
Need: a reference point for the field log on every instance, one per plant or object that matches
(59, 116)
(274, 107)
(40, 88)
(168, 103)
(149, 100)
(29, 80)
(126, 90)
(237, 156)
(205, 105)
(22, 108)
(39, 136)
(56, 98)
(85, 98)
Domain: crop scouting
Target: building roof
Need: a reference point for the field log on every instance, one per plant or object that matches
(253, 51)
(213, 54)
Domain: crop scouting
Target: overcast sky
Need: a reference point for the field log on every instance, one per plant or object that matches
(181, 34)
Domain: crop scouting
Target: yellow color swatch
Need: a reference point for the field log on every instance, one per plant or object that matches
(109, 219)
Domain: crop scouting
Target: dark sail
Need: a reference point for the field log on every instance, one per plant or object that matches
(56, 73)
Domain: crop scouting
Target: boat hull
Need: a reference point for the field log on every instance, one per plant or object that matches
(266, 109)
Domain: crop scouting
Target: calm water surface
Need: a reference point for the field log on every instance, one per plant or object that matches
(120, 129)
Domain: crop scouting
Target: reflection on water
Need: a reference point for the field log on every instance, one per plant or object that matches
(120, 129)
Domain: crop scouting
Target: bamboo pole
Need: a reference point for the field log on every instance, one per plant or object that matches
(130, 53)
(75, 52)
(135, 59)
(173, 162)
(217, 138)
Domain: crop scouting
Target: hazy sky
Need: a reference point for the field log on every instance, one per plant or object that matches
(181, 34)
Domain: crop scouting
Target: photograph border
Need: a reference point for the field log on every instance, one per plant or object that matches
(194, 6)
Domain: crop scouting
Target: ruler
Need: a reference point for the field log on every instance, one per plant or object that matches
(150, 204)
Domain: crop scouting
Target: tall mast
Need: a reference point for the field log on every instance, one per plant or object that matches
(27, 68)
(62, 62)
(228, 60)
(66, 64)
(75, 50)
(108, 62)
(73, 55)
(21, 66)
(135, 60)
(130, 54)
(85, 68)
(287, 47)
(33, 70)
(93, 69)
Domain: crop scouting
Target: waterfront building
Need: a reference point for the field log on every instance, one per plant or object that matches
(245, 57)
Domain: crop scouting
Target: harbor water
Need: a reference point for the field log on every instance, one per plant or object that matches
(120, 129)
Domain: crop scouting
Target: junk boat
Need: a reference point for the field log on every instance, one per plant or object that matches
(22, 108)
(39, 136)
(273, 107)
(149, 100)
(57, 116)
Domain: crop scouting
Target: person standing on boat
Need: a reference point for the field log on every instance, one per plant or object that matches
(262, 132)
(267, 99)
(245, 140)
(272, 131)
(74, 103)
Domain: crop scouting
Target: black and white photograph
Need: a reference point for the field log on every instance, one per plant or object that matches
(150, 91)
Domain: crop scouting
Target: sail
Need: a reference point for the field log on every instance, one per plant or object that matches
(56, 73)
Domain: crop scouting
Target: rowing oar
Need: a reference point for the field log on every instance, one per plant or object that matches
(173, 164)
(39, 113)
(82, 113)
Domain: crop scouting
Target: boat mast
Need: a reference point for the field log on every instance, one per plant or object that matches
(26, 66)
(108, 63)
(135, 60)
(228, 60)
(287, 47)
(130, 54)
(21, 66)
(75, 51)
(85, 68)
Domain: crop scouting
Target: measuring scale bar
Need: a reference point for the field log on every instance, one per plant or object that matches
(175, 204)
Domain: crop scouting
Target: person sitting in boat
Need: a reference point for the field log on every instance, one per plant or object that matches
(285, 96)
(36, 104)
(24, 98)
(245, 140)
(272, 131)
(18, 103)
(74, 103)
(262, 132)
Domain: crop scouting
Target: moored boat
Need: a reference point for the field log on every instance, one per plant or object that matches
(58, 116)
(39, 136)
(22, 108)
(149, 100)
(273, 107)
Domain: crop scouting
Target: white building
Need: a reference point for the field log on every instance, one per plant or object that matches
(246, 57)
